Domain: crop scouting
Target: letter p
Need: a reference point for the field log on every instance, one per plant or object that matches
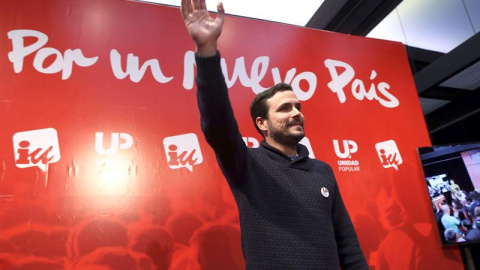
(19, 51)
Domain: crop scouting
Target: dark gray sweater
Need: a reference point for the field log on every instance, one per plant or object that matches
(286, 222)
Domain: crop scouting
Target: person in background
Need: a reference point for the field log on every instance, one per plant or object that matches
(453, 186)
(471, 234)
(476, 211)
(451, 236)
(459, 195)
(448, 221)
(459, 210)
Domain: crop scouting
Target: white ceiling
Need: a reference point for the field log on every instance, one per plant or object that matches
(436, 25)
(284, 11)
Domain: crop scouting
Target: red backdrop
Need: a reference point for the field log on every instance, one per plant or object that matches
(103, 161)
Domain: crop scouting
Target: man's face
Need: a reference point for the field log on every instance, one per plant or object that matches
(284, 122)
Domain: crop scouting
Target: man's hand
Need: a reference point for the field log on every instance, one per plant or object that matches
(203, 28)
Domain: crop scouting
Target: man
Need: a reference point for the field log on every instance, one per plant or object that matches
(471, 234)
(291, 213)
(476, 212)
(448, 221)
(471, 204)
(451, 236)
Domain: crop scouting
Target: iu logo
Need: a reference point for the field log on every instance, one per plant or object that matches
(117, 141)
(349, 147)
(389, 154)
(36, 148)
(183, 151)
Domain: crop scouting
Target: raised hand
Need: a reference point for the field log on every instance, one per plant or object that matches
(203, 28)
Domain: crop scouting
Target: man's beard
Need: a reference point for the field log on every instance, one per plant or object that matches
(285, 137)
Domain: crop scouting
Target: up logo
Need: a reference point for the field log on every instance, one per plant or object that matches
(349, 147)
(117, 141)
(183, 151)
(389, 154)
(36, 148)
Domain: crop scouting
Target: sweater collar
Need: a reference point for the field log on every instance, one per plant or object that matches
(301, 150)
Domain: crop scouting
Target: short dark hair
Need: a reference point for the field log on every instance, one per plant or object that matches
(476, 211)
(473, 194)
(450, 235)
(467, 223)
(259, 108)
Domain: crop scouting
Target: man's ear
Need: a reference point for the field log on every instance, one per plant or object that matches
(262, 124)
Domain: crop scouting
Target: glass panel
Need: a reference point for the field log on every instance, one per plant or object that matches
(430, 104)
(436, 25)
(390, 29)
(473, 9)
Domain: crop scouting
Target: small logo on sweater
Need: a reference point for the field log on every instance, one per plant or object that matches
(325, 192)
(389, 154)
(183, 151)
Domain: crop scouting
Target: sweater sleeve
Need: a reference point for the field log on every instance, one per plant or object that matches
(217, 119)
(349, 251)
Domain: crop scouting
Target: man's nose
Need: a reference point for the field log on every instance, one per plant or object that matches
(296, 112)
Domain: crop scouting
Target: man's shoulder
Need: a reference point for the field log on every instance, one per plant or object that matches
(449, 218)
(255, 150)
(320, 164)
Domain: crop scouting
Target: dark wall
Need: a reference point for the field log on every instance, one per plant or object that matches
(466, 130)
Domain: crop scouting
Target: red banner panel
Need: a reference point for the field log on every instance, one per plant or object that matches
(103, 164)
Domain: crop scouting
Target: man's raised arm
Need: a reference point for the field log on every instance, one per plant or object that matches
(203, 28)
(216, 115)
